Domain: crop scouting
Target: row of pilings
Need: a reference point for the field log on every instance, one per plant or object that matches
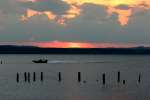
(104, 78)
(28, 77)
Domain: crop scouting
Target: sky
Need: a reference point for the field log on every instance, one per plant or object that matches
(75, 23)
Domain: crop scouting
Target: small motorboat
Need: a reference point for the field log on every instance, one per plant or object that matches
(40, 61)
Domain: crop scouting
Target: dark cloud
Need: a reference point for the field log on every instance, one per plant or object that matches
(56, 6)
(93, 12)
(123, 7)
(139, 12)
(11, 7)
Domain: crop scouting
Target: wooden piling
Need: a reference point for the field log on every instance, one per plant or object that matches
(29, 77)
(139, 79)
(124, 82)
(103, 79)
(118, 77)
(84, 81)
(59, 77)
(42, 77)
(34, 76)
(17, 78)
(25, 76)
(79, 76)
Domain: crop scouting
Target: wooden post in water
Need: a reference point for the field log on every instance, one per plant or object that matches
(103, 79)
(124, 82)
(25, 76)
(79, 76)
(59, 77)
(118, 77)
(29, 77)
(42, 77)
(17, 78)
(34, 76)
(139, 79)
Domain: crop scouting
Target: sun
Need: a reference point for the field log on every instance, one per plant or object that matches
(74, 45)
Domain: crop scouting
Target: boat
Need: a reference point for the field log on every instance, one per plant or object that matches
(40, 61)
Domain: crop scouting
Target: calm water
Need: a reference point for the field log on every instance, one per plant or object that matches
(91, 67)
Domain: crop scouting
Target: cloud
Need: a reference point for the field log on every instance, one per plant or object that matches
(56, 6)
(70, 9)
(57, 10)
(11, 7)
(94, 12)
(123, 7)
(85, 21)
(64, 44)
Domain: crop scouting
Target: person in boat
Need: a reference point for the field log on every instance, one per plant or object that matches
(40, 61)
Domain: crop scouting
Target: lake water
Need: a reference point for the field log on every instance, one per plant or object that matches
(90, 88)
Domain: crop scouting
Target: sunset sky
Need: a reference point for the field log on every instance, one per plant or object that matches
(75, 23)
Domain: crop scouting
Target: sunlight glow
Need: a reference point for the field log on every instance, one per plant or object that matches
(62, 44)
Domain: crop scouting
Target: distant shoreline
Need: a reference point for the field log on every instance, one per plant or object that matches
(13, 49)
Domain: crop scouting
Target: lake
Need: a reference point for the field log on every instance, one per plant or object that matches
(91, 86)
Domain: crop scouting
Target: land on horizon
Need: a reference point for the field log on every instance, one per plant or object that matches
(15, 49)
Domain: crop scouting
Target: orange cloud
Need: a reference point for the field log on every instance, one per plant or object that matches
(31, 13)
(72, 13)
(67, 44)
(61, 44)
(111, 7)
(123, 15)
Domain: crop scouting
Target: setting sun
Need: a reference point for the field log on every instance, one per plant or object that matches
(74, 45)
